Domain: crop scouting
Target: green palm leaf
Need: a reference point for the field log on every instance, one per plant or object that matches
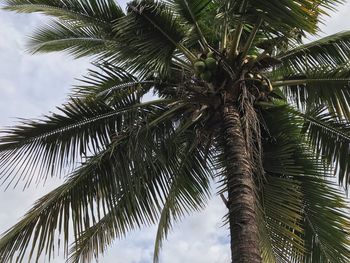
(77, 41)
(50, 145)
(149, 35)
(189, 191)
(312, 195)
(285, 15)
(183, 171)
(330, 139)
(97, 186)
(104, 79)
(91, 12)
(328, 52)
(191, 11)
(323, 90)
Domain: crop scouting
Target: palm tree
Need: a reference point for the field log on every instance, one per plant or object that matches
(239, 100)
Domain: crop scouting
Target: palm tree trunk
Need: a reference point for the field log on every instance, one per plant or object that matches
(241, 195)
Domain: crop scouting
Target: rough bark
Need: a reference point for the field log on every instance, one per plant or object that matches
(241, 195)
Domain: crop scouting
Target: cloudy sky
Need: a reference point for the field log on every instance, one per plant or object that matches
(31, 86)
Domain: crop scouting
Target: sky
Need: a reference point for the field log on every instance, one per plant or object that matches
(31, 86)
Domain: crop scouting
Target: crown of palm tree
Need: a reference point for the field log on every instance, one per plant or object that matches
(133, 162)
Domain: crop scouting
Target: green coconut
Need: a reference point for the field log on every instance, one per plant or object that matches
(199, 66)
(211, 63)
(210, 54)
(206, 76)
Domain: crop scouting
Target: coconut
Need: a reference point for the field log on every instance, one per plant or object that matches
(206, 76)
(211, 63)
(199, 66)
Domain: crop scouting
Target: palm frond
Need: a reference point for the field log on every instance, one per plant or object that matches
(281, 197)
(326, 236)
(95, 239)
(148, 36)
(105, 78)
(191, 11)
(318, 86)
(318, 195)
(332, 95)
(330, 139)
(328, 53)
(77, 41)
(282, 16)
(89, 12)
(129, 180)
(91, 191)
(189, 191)
(60, 141)
(282, 203)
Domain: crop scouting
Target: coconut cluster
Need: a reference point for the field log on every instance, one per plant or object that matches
(206, 67)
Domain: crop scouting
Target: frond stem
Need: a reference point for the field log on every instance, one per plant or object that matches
(198, 29)
(252, 37)
(182, 63)
(87, 121)
(126, 85)
(322, 124)
(281, 83)
(238, 33)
